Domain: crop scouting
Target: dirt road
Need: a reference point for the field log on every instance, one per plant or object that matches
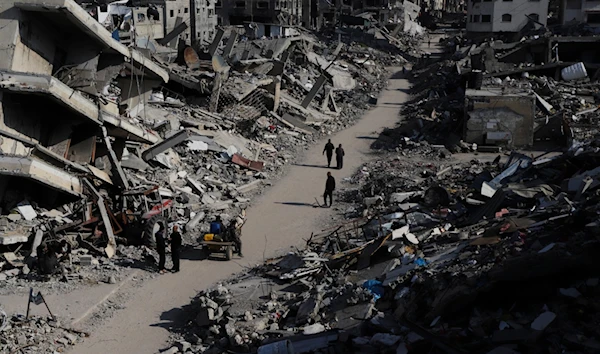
(280, 218)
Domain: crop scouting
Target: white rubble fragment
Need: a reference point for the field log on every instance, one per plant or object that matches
(197, 145)
(543, 321)
(27, 212)
(313, 329)
(385, 339)
(570, 292)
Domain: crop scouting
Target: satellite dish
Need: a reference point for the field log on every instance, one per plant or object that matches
(219, 64)
(191, 58)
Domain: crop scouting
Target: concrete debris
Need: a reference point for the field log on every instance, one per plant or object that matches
(125, 157)
(425, 261)
(147, 138)
(37, 335)
(431, 253)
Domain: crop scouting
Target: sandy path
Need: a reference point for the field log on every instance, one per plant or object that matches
(272, 226)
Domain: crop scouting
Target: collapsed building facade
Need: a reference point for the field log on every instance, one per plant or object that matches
(193, 22)
(61, 113)
(104, 139)
(490, 252)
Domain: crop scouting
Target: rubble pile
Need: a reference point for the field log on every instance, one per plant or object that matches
(161, 137)
(493, 95)
(489, 255)
(36, 335)
(435, 112)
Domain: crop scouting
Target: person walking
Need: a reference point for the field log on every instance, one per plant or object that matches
(235, 237)
(175, 248)
(161, 248)
(329, 188)
(339, 157)
(429, 42)
(329, 147)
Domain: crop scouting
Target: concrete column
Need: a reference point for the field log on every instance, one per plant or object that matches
(193, 37)
(215, 43)
(313, 92)
(214, 97)
(229, 45)
(122, 178)
(277, 96)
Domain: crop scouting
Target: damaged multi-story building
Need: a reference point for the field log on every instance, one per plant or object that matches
(332, 12)
(192, 21)
(68, 93)
(586, 11)
(262, 18)
(509, 17)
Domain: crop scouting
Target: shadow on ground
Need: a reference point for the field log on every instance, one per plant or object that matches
(298, 204)
(313, 166)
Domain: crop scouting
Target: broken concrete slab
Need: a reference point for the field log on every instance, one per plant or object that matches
(12, 239)
(193, 223)
(166, 144)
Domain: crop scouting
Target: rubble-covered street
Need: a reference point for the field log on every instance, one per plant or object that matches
(102, 147)
(465, 218)
(427, 263)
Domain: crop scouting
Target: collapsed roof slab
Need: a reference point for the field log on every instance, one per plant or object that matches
(42, 172)
(73, 99)
(41, 84)
(67, 13)
(122, 128)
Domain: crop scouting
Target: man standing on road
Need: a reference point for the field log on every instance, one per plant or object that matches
(161, 248)
(429, 42)
(329, 150)
(175, 248)
(329, 188)
(235, 237)
(339, 157)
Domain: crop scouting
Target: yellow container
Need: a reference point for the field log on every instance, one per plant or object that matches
(209, 237)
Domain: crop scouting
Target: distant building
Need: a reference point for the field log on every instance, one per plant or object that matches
(155, 19)
(329, 12)
(269, 18)
(585, 11)
(508, 16)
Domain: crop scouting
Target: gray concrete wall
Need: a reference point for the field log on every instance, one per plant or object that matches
(500, 114)
(145, 27)
(8, 33)
(206, 21)
(39, 119)
(173, 10)
(35, 49)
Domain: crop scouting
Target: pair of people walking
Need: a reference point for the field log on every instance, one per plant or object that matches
(161, 245)
(339, 154)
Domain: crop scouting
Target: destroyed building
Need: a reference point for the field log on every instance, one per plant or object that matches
(42, 74)
(264, 18)
(486, 17)
(497, 117)
(193, 22)
(483, 253)
(329, 13)
(91, 127)
(580, 11)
